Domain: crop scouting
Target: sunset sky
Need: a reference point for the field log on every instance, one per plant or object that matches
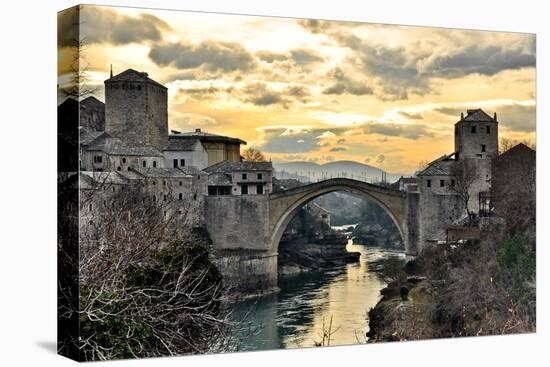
(318, 90)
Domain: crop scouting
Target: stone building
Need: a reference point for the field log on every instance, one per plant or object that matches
(219, 148)
(240, 178)
(185, 152)
(438, 199)
(136, 109)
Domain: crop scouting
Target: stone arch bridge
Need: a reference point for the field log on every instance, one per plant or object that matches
(246, 230)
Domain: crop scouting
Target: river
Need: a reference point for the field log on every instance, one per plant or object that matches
(294, 317)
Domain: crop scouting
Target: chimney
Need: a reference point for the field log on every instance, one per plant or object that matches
(495, 116)
(461, 116)
(197, 130)
(111, 70)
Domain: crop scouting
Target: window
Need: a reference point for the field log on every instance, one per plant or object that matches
(123, 159)
(139, 87)
(144, 163)
(244, 190)
(154, 197)
(129, 168)
(488, 129)
(198, 177)
(260, 176)
(452, 183)
(181, 183)
(154, 164)
(244, 176)
(182, 162)
(441, 183)
(163, 182)
(119, 168)
(260, 189)
(114, 189)
(164, 197)
(483, 148)
(98, 159)
(90, 207)
(175, 163)
(473, 129)
(180, 196)
(154, 182)
(429, 183)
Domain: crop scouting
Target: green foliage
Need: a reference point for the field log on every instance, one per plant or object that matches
(517, 269)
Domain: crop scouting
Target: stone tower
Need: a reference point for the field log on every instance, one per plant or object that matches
(476, 135)
(476, 144)
(136, 109)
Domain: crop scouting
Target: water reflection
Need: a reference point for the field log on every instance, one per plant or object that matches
(294, 317)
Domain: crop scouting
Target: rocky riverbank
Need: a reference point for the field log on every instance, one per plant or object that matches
(299, 255)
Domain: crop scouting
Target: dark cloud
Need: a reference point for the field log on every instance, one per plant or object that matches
(343, 84)
(67, 27)
(338, 149)
(260, 94)
(305, 56)
(103, 25)
(341, 141)
(300, 56)
(391, 129)
(412, 115)
(270, 57)
(285, 140)
(480, 60)
(210, 55)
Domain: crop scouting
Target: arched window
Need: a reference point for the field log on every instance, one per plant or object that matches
(119, 168)
(154, 197)
(144, 163)
(181, 196)
(90, 207)
(123, 159)
(165, 197)
(154, 164)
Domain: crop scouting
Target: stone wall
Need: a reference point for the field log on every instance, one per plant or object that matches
(238, 222)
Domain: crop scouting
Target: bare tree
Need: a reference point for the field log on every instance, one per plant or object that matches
(253, 155)
(465, 175)
(506, 144)
(79, 86)
(146, 285)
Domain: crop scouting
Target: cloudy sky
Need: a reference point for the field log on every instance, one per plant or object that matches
(317, 90)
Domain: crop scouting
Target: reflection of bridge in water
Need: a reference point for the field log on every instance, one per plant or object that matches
(246, 230)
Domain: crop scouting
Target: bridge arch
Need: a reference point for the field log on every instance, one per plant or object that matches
(284, 205)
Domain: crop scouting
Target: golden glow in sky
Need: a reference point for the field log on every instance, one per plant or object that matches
(318, 90)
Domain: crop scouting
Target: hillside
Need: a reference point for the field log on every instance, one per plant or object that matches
(312, 171)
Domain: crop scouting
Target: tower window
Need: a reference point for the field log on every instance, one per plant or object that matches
(181, 183)
(123, 159)
(260, 189)
(154, 164)
(144, 164)
(244, 190)
(441, 183)
(244, 176)
(119, 168)
(429, 183)
(165, 197)
(260, 176)
(452, 183)
(182, 162)
(488, 129)
(180, 196)
(483, 148)
(473, 129)
(175, 163)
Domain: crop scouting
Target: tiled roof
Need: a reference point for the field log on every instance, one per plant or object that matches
(477, 115)
(229, 166)
(131, 75)
(219, 179)
(205, 137)
(115, 146)
(440, 167)
(108, 177)
(167, 172)
(88, 136)
(174, 143)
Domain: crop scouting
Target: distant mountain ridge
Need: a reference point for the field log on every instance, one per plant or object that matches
(348, 169)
